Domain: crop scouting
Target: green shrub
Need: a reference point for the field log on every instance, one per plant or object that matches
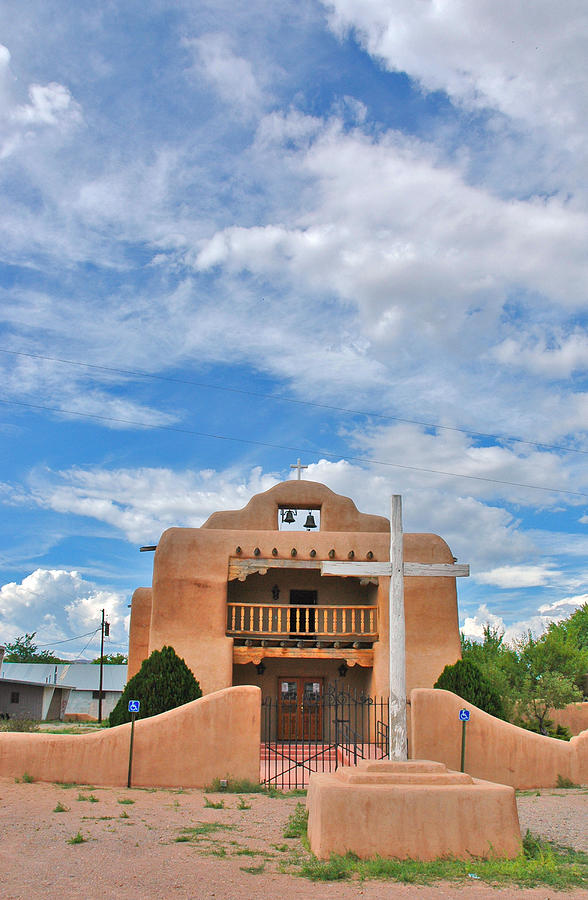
(466, 680)
(163, 682)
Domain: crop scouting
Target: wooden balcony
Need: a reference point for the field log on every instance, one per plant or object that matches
(272, 622)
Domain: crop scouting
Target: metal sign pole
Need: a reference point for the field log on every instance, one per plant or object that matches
(134, 706)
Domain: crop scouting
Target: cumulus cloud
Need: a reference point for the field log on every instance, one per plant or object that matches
(59, 605)
(536, 623)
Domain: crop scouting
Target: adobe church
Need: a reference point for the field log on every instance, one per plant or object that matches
(244, 599)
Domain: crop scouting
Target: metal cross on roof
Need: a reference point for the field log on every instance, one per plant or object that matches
(298, 468)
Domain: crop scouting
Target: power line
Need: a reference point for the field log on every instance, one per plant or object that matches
(282, 399)
(68, 640)
(362, 459)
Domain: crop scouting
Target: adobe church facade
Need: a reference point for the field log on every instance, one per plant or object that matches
(244, 601)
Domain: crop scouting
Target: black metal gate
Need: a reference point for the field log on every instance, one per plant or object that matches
(338, 727)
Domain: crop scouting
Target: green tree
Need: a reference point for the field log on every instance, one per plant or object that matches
(551, 690)
(499, 663)
(466, 680)
(554, 667)
(163, 682)
(24, 650)
(112, 659)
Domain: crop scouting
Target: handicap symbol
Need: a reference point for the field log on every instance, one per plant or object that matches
(464, 715)
(134, 706)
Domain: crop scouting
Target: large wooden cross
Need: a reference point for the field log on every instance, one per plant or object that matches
(397, 569)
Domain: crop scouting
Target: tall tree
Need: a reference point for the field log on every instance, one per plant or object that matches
(24, 650)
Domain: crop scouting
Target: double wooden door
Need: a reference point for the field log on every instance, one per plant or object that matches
(300, 709)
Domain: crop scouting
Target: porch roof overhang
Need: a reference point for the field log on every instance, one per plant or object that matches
(352, 656)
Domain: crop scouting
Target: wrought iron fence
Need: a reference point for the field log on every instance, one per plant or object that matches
(319, 734)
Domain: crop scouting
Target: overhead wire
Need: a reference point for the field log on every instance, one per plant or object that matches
(327, 453)
(281, 399)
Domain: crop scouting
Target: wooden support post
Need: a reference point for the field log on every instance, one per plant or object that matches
(396, 631)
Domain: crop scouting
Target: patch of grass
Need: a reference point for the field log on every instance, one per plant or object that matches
(77, 839)
(89, 797)
(242, 804)
(296, 824)
(538, 863)
(61, 808)
(220, 851)
(235, 786)
(282, 848)
(210, 804)
(563, 782)
(245, 851)
(124, 815)
(125, 801)
(26, 725)
(253, 870)
(194, 832)
(24, 779)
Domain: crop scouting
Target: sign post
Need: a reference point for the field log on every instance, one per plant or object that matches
(134, 706)
(464, 717)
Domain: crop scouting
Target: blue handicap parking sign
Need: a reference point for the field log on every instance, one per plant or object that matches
(134, 705)
(464, 715)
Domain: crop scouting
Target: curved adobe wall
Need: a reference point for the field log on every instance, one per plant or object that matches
(574, 716)
(495, 750)
(338, 513)
(209, 738)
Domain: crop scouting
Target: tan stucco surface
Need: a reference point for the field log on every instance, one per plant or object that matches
(190, 590)
(214, 737)
(495, 750)
(416, 809)
(574, 716)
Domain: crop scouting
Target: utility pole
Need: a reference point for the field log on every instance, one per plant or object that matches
(104, 630)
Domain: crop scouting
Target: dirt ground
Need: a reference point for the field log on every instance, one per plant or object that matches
(130, 850)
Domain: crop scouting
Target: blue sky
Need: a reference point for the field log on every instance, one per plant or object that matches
(350, 232)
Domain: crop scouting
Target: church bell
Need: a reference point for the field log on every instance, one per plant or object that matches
(289, 517)
(310, 523)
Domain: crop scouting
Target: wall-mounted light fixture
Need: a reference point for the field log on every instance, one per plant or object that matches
(260, 668)
(343, 669)
(275, 593)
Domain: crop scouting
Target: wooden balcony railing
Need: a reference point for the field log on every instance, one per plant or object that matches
(311, 622)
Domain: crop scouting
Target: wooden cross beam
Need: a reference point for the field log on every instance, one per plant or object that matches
(396, 569)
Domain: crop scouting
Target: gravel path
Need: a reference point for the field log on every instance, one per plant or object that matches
(130, 850)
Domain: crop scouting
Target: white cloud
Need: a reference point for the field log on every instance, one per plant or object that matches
(558, 357)
(141, 503)
(536, 623)
(232, 76)
(527, 63)
(58, 605)
(49, 105)
(520, 576)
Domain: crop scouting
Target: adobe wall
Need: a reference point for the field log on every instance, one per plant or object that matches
(213, 737)
(190, 588)
(139, 629)
(495, 750)
(574, 716)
